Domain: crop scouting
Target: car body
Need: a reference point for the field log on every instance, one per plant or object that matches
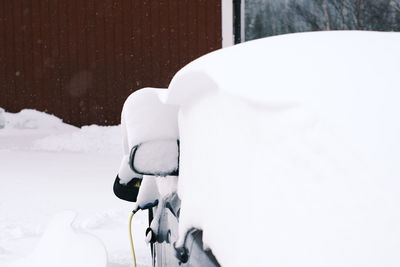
(288, 151)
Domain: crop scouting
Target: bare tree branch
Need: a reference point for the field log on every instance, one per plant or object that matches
(395, 5)
(325, 9)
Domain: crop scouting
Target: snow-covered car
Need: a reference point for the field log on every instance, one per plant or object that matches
(288, 154)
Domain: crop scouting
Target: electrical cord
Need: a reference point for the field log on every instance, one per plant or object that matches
(147, 206)
(131, 239)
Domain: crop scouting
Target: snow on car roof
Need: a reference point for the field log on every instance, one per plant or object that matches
(294, 67)
(349, 78)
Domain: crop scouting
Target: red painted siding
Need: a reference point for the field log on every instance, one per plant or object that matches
(79, 60)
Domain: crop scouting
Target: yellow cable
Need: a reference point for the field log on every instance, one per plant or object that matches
(130, 236)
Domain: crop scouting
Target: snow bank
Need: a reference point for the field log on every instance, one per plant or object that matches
(33, 119)
(40, 131)
(22, 129)
(93, 138)
(289, 150)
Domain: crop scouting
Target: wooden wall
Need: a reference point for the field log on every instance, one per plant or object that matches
(80, 59)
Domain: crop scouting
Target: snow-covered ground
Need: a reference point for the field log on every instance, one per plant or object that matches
(47, 167)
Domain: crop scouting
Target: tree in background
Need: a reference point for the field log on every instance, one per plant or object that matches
(273, 17)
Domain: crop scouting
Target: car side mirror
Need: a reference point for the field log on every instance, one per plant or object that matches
(156, 157)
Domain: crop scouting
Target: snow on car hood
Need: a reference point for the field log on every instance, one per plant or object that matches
(289, 150)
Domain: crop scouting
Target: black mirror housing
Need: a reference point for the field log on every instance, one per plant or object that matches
(129, 191)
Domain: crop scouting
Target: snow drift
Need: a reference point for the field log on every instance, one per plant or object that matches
(289, 150)
(29, 119)
(44, 132)
(92, 138)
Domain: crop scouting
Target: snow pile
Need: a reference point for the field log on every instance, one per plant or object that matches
(40, 131)
(289, 150)
(32, 119)
(22, 129)
(2, 120)
(51, 134)
(93, 138)
(62, 246)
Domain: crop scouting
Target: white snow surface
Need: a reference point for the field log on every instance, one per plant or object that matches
(62, 246)
(48, 168)
(289, 150)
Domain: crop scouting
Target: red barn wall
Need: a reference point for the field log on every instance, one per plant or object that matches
(79, 60)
